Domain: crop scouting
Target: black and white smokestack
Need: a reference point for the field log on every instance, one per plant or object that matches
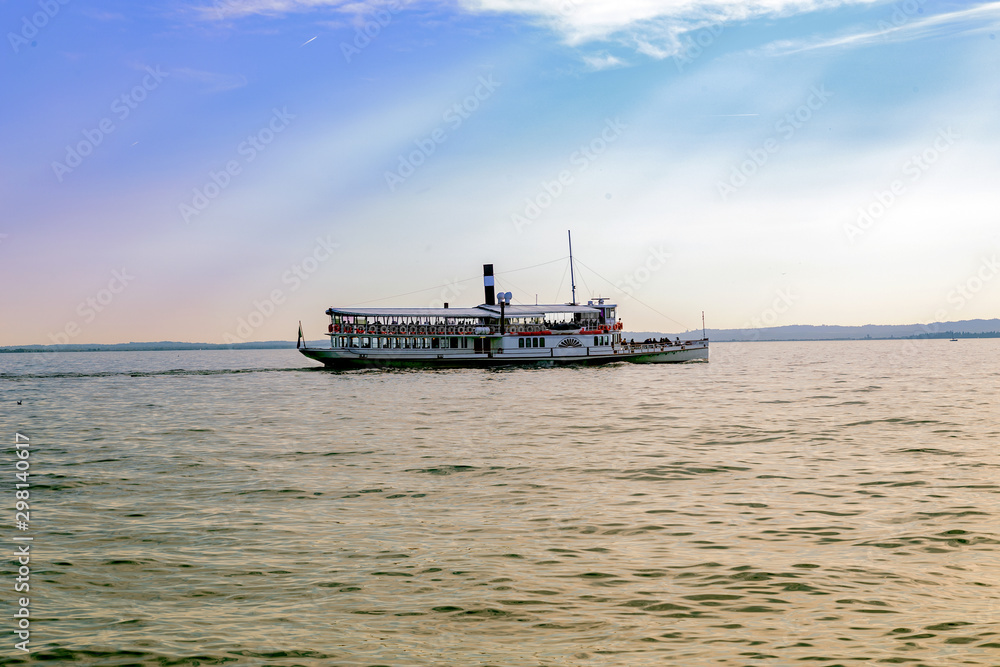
(488, 285)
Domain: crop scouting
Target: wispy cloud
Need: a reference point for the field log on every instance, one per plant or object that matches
(654, 28)
(981, 18)
(234, 9)
(99, 15)
(603, 62)
(214, 82)
(651, 27)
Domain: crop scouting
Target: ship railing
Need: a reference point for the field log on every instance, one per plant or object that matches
(411, 330)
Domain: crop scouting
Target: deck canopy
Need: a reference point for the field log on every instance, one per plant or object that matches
(478, 311)
(409, 312)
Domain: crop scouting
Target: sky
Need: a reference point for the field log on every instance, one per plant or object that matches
(217, 171)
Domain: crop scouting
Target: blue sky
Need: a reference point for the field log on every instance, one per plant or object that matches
(220, 170)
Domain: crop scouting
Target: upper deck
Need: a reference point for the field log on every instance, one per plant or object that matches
(595, 314)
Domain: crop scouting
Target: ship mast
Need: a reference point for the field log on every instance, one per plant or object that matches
(572, 279)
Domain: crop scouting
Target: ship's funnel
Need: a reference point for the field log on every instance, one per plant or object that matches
(488, 285)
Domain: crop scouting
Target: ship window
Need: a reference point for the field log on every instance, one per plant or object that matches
(541, 342)
(595, 341)
(520, 342)
(435, 342)
(454, 343)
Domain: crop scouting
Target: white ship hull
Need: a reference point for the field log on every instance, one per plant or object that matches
(353, 357)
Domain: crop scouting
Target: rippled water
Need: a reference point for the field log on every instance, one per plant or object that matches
(787, 503)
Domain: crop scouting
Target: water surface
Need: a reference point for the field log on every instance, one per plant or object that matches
(823, 504)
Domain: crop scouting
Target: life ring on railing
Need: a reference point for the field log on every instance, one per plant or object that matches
(330, 328)
(336, 328)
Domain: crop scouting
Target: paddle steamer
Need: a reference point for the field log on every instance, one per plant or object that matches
(494, 333)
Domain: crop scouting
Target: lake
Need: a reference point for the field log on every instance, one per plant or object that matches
(820, 503)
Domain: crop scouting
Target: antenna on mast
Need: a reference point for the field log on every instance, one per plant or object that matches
(572, 279)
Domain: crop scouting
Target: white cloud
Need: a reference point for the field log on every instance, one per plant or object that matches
(650, 27)
(654, 28)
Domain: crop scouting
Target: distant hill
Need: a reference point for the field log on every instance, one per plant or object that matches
(961, 329)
